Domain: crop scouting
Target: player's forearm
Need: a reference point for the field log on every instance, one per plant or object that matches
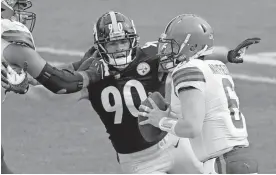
(62, 81)
(178, 126)
(186, 129)
(219, 53)
(68, 66)
(192, 113)
(57, 81)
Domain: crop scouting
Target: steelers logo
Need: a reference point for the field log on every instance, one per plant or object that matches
(143, 68)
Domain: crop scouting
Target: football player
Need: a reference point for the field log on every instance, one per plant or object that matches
(18, 49)
(8, 8)
(204, 104)
(137, 71)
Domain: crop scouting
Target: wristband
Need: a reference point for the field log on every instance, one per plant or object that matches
(168, 124)
(85, 78)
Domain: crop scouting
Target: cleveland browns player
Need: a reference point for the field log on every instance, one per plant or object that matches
(204, 105)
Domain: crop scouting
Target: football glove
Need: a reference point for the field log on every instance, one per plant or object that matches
(94, 65)
(11, 80)
(236, 55)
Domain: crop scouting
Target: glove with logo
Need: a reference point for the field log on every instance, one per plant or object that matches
(14, 81)
(236, 55)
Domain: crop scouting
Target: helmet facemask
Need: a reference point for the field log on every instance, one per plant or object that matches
(118, 58)
(16, 10)
(118, 31)
(25, 17)
(168, 51)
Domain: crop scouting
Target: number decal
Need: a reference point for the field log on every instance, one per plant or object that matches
(120, 27)
(233, 103)
(117, 105)
(110, 28)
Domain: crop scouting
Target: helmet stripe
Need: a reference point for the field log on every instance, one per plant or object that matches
(114, 22)
(184, 43)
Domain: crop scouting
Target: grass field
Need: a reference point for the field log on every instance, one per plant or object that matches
(62, 136)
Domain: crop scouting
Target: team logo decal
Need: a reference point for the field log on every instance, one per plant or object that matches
(143, 68)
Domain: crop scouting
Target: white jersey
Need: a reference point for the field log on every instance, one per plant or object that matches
(224, 125)
(15, 32)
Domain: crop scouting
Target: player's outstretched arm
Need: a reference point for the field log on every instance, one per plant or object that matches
(235, 55)
(219, 53)
(67, 66)
(57, 81)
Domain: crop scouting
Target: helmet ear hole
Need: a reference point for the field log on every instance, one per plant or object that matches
(193, 47)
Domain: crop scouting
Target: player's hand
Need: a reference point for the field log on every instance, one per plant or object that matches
(11, 80)
(95, 68)
(154, 115)
(87, 55)
(236, 55)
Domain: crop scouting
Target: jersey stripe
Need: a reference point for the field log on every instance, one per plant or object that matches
(185, 70)
(188, 74)
(18, 36)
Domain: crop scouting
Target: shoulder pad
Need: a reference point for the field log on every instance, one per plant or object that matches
(16, 32)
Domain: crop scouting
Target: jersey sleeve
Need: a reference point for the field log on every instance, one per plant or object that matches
(15, 32)
(188, 76)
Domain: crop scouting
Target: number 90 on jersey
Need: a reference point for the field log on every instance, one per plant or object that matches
(117, 105)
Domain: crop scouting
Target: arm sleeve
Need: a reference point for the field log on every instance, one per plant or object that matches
(61, 81)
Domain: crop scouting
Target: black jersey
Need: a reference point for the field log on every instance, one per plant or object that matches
(117, 99)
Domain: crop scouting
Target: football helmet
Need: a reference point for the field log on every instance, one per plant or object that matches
(114, 27)
(16, 10)
(186, 37)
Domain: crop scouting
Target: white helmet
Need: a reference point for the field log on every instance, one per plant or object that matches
(16, 10)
